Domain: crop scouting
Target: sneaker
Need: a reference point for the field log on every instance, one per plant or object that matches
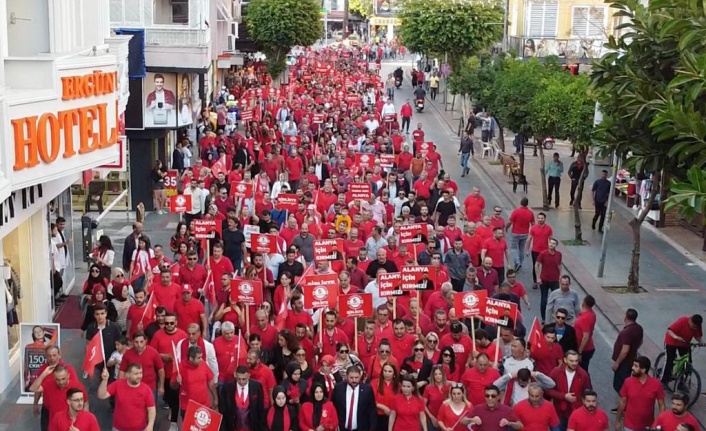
(173, 427)
(614, 410)
(518, 267)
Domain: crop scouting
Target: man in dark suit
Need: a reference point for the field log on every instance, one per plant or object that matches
(242, 403)
(355, 402)
(321, 170)
(131, 244)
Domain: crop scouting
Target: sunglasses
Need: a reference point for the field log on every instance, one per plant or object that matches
(343, 351)
(170, 323)
(432, 341)
(95, 270)
(446, 355)
(561, 317)
(383, 351)
(119, 275)
(193, 259)
(419, 349)
(490, 396)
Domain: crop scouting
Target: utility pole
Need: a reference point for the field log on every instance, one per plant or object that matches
(597, 119)
(506, 13)
(345, 18)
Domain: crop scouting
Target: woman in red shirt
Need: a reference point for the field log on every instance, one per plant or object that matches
(417, 365)
(408, 408)
(383, 356)
(448, 361)
(435, 393)
(432, 351)
(453, 412)
(386, 388)
(319, 412)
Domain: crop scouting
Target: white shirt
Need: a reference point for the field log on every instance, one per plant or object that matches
(210, 355)
(196, 199)
(243, 390)
(186, 153)
(398, 204)
(569, 378)
(272, 262)
(372, 288)
(388, 108)
(277, 189)
(372, 125)
(354, 411)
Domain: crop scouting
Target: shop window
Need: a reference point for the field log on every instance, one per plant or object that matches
(16, 251)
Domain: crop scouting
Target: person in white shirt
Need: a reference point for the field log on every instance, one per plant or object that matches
(280, 186)
(194, 337)
(197, 202)
(388, 108)
(186, 154)
(399, 202)
(372, 124)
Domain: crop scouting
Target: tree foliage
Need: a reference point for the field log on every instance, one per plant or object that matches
(689, 197)
(280, 25)
(456, 28)
(364, 8)
(475, 77)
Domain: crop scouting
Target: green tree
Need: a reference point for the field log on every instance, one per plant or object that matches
(564, 109)
(689, 197)
(630, 82)
(364, 8)
(436, 28)
(280, 25)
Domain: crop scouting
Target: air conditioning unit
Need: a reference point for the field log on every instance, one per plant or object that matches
(231, 43)
(236, 12)
(234, 29)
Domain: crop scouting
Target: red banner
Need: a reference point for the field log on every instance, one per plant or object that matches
(412, 233)
(390, 284)
(423, 147)
(247, 292)
(470, 304)
(328, 249)
(288, 201)
(263, 243)
(352, 98)
(200, 418)
(293, 140)
(360, 191)
(241, 190)
(180, 203)
(246, 115)
(171, 180)
(366, 161)
(355, 305)
(318, 118)
(320, 291)
(418, 277)
(205, 229)
(499, 312)
(389, 118)
(387, 160)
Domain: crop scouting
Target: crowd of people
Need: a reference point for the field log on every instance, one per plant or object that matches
(173, 332)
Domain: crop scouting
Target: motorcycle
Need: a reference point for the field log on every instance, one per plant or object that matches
(548, 143)
(398, 82)
(419, 104)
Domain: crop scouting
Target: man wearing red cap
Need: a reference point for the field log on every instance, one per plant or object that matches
(190, 311)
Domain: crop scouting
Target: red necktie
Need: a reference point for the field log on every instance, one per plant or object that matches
(242, 394)
(349, 424)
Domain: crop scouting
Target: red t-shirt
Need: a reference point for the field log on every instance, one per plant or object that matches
(475, 383)
(266, 377)
(463, 348)
(551, 265)
(223, 266)
(436, 396)
(536, 418)
(131, 404)
(387, 397)
(165, 344)
(267, 335)
(135, 315)
(54, 397)
(583, 420)
(681, 328)
(473, 246)
(640, 410)
(585, 323)
(166, 296)
(521, 219)
(407, 410)
(188, 313)
(475, 205)
(402, 347)
(84, 421)
(540, 237)
(328, 346)
(451, 419)
(294, 166)
(194, 383)
(293, 319)
(195, 277)
(669, 421)
(496, 251)
(226, 354)
(149, 359)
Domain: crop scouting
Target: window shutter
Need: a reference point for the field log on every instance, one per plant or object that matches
(579, 22)
(596, 22)
(543, 18)
(551, 15)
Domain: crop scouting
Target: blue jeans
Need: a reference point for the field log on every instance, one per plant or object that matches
(465, 158)
(518, 248)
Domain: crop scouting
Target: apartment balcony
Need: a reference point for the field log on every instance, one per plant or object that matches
(177, 32)
(579, 50)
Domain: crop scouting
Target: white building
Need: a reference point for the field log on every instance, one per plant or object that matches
(63, 89)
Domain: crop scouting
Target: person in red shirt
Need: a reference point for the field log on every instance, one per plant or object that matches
(327, 342)
(166, 293)
(53, 385)
(496, 248)
(406, 114)
(134, 400)
(263, 328)
(189, 310)
(263, 374)
(453, 412)
(474, 205)
(295, 167)
(76, 416)
(535, 413)
(669, 420)
(164, 341)
(385, 388)
(521, 220)
(547, 355)
(477, 378)
(298, 315)
(584, 326)
(570, 381)
(678, 338)
(150, 361)
(401, 341)
(217, 264)
(461, 344)
(589, 417)
(193, 274)
(195, 380)
(472, 243)
(548, 269)
(407, 411)
(538, 241)
(137, 318)
(638, 396)
(368, 343)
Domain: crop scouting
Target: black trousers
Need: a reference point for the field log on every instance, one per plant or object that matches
(188, 217)
(383, 422)
(457, 284)
(44, 419)
(171, 397)
(601, 208)
(572, 191)
(586, 359)
(671, 356)
(501, 273)
(434, 92)
(405, 124)
(554, 183)
(544, 290)
(621, 374)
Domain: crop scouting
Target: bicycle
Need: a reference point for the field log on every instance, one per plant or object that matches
(685, 378)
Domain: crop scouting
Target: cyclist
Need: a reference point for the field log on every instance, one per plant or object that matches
(677, 340)
(669, 420)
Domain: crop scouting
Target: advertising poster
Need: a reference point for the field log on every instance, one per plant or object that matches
(34, 338)
(160, 104)
(185, 82)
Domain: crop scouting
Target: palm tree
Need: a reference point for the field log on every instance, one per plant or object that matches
(689, 196)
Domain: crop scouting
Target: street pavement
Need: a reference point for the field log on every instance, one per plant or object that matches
(673, 282)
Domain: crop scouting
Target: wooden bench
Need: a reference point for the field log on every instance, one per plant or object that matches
(512, 168)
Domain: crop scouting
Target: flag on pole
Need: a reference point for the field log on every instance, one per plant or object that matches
(535, 338)
(95, 354)
(220, 166)
(209, 289)
(150, 312)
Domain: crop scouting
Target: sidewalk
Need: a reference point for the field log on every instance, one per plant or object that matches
(668, 274)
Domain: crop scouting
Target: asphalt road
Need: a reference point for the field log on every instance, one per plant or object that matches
(437, 131)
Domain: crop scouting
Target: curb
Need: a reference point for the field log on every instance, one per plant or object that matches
(606, 305)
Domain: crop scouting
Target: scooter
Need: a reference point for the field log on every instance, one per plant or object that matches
(419, 104)
(398, 82)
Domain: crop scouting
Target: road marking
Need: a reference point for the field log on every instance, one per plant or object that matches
(676, 289)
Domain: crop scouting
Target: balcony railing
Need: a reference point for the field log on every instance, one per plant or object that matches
(177, 37)
(574, 49)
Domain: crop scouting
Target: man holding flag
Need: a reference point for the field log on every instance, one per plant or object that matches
(134, 403)
(109, 332)
(165, 341)
(54, 391)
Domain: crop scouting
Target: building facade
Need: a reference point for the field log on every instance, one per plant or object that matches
(62, 95)
(571, 29)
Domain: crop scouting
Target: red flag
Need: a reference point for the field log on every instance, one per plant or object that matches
(209, 289)
(138, 270)
(219, 166)
(535, 338)
(281, 316)
(94, 353)
(150, 313)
